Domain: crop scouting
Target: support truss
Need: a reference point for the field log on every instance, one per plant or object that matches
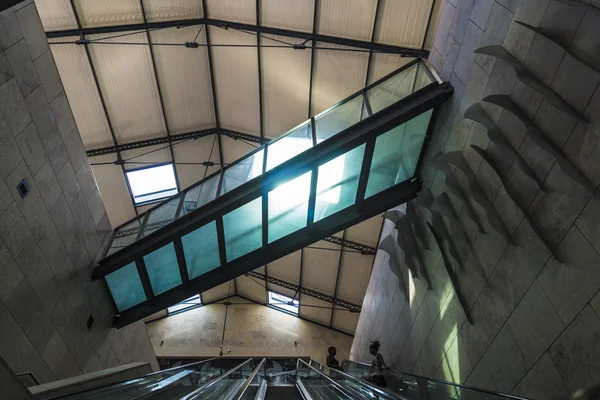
(175, 138)
(361, 44)
(336, 302)
(363, 248)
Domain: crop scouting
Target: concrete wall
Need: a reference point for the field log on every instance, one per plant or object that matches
(252, 330)
(536, 325)
(50, 239)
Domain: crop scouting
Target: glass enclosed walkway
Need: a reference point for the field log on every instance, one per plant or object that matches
(348, 163)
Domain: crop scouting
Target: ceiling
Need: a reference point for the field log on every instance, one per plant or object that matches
(123, 90)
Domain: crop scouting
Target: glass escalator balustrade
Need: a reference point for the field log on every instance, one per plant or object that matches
(393, 161)
(414, 387)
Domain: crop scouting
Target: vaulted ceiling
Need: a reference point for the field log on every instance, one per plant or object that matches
(200, 83)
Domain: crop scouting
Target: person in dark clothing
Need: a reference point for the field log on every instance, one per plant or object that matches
(331, 361)
(377, 365)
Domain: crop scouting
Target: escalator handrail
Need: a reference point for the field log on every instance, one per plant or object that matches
(334, 383)
(195, 393)
(380, 391)
(181, 366)
(262, 391)
(507, 396)
(243, 389)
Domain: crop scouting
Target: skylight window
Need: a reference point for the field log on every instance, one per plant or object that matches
(149, 185)
(192, 302)
(284, 302)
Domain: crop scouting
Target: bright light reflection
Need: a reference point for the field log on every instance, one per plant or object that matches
(289, 194)
(331, 174)
(285, 149)
(412, 291)
(452, 359)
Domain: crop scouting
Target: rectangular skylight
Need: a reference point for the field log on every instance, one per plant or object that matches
(284, 302)
(149, 185)
(192, 302)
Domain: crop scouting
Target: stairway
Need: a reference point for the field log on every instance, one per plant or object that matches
(343, 166)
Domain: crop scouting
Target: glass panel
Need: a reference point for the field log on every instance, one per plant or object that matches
(245, 170)
(201, 250)
(200, 195)
(337, 183)
(125, 235)
(339, 118)
(243, 229)
(317, 385)
(126, 287)
(289, 146)
(163, 269)
(416, 387)
(396, 154)
(161, 216)
(398, 87)
(288, 207)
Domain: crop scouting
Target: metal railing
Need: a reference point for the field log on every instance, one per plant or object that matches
(198, 392)
(457, 386)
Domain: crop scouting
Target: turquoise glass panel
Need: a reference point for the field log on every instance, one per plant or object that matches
(339, 118)
(201, 250)
(163, 269)
(337, 183)
(288, 207)
(200, 195)
(243, 171)
(126, 287)
(243, 229)
(398, 87)
(289, 146)
(396, 154)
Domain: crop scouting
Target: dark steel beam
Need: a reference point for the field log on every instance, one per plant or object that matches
(369, 61)
(363, 248)
(317, 295)
(160, 97)
(211, 69)
(104, 108)
(260, 93)
(337, 279)
(315, 37)
(312, 69)
(173, 139)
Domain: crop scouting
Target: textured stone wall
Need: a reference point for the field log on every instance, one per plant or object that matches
(252, 330)
(50, 239)
(535, 316)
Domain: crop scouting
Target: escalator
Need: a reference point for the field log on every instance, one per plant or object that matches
(415, 387)
(278, 379)
(341, 167)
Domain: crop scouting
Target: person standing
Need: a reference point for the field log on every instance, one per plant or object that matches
(377, 365)
(331, 361)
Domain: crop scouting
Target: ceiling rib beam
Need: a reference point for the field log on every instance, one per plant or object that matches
(336, 302)
(363, 248)
(175, 138)
(369, 61)
(337, 278)
(260, 89)
(160, 97)
(105, 109)
(315, 37)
